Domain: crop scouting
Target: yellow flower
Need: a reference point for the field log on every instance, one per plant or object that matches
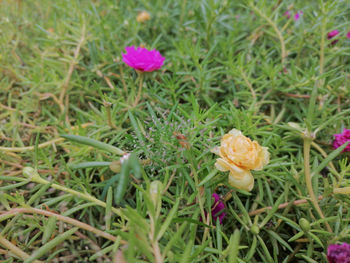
(143, 16)
(238, 154)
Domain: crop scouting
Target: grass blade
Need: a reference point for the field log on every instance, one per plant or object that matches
(93, 143)
(50, 245)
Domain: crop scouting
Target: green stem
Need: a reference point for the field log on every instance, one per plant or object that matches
(15, 250)
(196, 181)
(278, 32)
(307, 172)
(323, 36)
(68, 220)
(35, 177)
(139, 92)
(109, 117)
(324, 154)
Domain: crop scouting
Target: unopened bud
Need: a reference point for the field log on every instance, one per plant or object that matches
(33, 175)
(29, 172)
(156, 191)
(304, 224)
(115, 166)
(255, 229)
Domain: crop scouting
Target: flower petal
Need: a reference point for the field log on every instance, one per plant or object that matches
(243, 180)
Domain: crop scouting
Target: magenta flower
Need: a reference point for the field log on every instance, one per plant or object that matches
(348, 35)
(143, 59)
(332, 34)
(341, 138)
(216, 209)
(298, 15)
(338, 253)
(287, 14)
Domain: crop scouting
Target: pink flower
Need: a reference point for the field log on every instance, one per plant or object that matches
(217, 208)
(348, 35)
(287, 14)
(332, 34)
(341, 138)
(143, 59)
(298, 15)
(338, 253)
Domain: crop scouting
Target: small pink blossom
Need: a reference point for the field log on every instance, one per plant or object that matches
(348, 35)
(332, 34)
(298, 15)
(287, 14)
(216, 209)
(143, 59)
(338, 253)
(341, 138)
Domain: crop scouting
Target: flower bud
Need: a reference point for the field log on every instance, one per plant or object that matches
(33, 175)
(29, 172)
(304, 224)
(156, 191)
(255, 229)
(115, 166)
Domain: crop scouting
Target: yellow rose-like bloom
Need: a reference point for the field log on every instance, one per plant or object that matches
(239, 155)
(143, 16)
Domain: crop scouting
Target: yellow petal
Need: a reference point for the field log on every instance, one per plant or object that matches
(222, 165)
(266, 155)
(264, 158)
(216, 150)
(243, 180)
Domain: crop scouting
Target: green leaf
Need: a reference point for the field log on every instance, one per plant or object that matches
(296, 236)
(267, 253)
(279, 239)
(329, 158)
(134, 165)
(39, 193)
(93, 143)
(176, 237)
(49, 227)
(84, 165)
(252, 249)
(272, 211)
(312, 104)
(168, 220)
(45, 250)
(109, 202)
(308, 259)
(122, 183)
(330, 120)
(233, 247)
(136, 128)
(316, 238)
(208, 177)
(241, 207)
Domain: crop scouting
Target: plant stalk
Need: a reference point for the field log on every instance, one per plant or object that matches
(35, 177)
(307, 172)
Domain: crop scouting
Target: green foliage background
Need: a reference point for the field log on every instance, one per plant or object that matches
(229, 64)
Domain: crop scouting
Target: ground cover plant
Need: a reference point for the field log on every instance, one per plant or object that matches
(233, 148)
